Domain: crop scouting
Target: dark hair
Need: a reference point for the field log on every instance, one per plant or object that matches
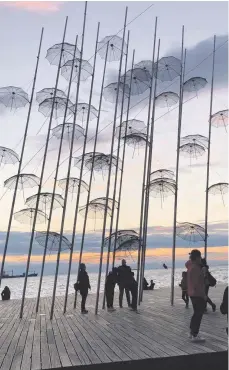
(195, 253)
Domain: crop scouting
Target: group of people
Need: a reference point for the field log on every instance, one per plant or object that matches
(123, 277)
(195, 285)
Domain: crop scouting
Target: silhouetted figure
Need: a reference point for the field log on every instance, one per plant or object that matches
(134, 292)
(224, 305)
(165, 267)
(110, 283)
(145, 284)
(196, 291)
(207, 282)
(6, 294)
(184, 288)
(83, 284)
(152, 285)
(124, 282)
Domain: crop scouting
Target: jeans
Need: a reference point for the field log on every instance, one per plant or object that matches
(185, 296)
(198, 304)
(84, 298)
(121, 291)
(134, 293)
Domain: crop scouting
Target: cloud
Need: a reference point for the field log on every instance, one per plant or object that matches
(199, 60)
(35, 6)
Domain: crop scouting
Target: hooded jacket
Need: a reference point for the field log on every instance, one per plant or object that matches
(195, 280)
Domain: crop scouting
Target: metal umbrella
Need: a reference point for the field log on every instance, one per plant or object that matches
(8, 156)
(86, 70)
(220, 119)
(60, 104)
(192, 150)
(147, 65)
(168, 68)
(139, 80)
(47, 93)
(162, 188)
(166, 99)
(68, 130)
(132, 126)
(195, 139)
(110, 92)
(190, 232)
(13, 97)
(26, 180)
(114, 48)
(53, 241)
(65, 50)
(219, 188)
(26, 216)
(161, 173)
(195, 84)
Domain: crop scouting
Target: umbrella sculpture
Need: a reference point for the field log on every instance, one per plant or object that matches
(190, 232)
(13, 97)
(219, 188)
(53, 241)
(8, 156)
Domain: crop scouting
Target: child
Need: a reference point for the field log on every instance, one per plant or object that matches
(184, 288)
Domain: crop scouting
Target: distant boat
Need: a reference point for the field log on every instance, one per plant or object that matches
(12, 276)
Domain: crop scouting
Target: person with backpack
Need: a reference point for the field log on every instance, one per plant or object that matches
(209, 281)
(184, 288)
(224, 305)
(83, 284)
(6, 293)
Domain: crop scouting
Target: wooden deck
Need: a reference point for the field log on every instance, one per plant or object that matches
(158, 331)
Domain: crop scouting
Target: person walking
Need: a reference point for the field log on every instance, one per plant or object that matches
(124, 282)
(110, 283)
(196, 292)
(207, 278)
(184, 288)
(6, 293)
(83, 284)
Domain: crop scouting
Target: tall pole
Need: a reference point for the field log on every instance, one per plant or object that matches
(122, 162)
(69, 168)
(177, 167)
(146, 210)
(42, 172)
(146, 149)
(21, 157)
(89, 186)
(117, 167)
(110, 166)
(209, 150)
(92, 168)
(55, 180)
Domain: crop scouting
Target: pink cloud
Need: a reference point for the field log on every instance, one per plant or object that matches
(35, 6)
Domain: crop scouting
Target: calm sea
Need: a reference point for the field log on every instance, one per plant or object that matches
(162, 278)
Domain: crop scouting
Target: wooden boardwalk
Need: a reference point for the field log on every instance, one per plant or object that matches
(158, 331)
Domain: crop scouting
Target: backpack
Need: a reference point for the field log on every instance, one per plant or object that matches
(212, 281)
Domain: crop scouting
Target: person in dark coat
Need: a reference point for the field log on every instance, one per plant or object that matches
(184, 288)
(145, 284)
(224, 305)
(6, 294)
(124, 281)
(134, 293)
(110, 283)
(205, 269)
(83, 284)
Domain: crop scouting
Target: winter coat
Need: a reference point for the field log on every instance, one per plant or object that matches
(195, 279)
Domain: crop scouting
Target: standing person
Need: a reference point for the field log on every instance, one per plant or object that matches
(207, 278)
(134, 293)
(145, 284)
(224, 305)
(110, 283)
(6, 293)
(196, 292)
(184, 288)
(124, 281)
(83, 284)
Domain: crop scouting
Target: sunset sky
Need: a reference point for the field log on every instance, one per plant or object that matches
(22, 22)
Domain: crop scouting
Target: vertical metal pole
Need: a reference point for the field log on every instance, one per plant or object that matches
(110, 166)
(123, 160)
(42, 173)
(146, 149)
(55, 180)
(89, 188)
(69, 168)
(177, 170)
(117, 167)
(209, 150)
(146, 210)
(21, 158)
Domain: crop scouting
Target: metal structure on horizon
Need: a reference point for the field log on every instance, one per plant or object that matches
(71, 122)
